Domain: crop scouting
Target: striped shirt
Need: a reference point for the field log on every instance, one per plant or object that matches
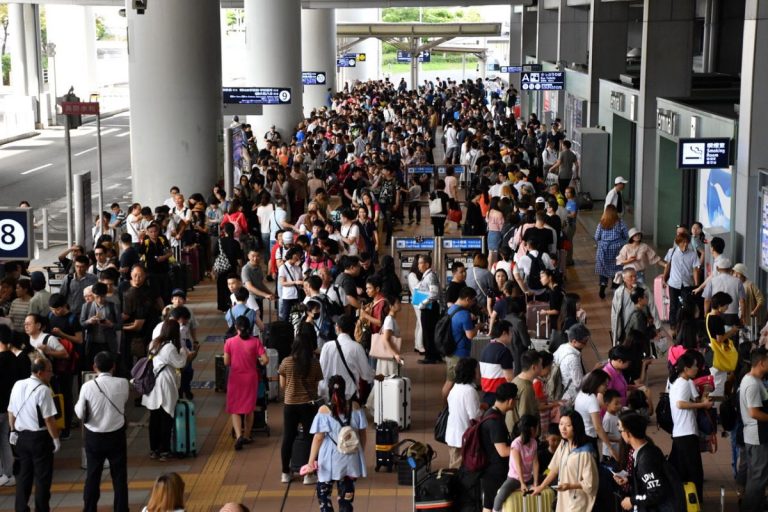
(494, 359)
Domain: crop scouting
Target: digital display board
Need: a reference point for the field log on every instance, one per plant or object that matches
(511, 69)
(463, 243)
(415, 244)
(704, 153)
(532, 67)
(542, 80)
(313, 78)
(256, 95)
(17, 237)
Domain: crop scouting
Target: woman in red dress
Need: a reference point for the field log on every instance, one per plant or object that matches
(243, 353)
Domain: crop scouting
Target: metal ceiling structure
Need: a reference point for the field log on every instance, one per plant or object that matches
(307, 4)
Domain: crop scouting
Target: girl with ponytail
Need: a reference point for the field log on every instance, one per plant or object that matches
(337, 447)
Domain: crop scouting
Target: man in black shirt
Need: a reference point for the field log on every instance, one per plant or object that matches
(10, 372)
(128, 258)
(346, 281)
(157, 252)
(458, 281)
(351, 184)
(494, 437)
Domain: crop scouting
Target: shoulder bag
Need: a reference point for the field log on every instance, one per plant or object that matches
(221, 264)
(724, 356)
(363, 387)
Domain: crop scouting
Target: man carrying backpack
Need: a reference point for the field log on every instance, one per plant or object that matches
(527, 272)
(568, 365)
(486, 444)
(454, 334)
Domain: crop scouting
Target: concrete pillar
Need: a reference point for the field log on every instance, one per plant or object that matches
(608, 22)
(547, 34)
(515, 46)
(17, 49)
(529, 30)
(665, 71)
(273, 42)
(175, 93)
(73, 29)
(573, 35)
(368, 70)
(752, 152)
(318, 53)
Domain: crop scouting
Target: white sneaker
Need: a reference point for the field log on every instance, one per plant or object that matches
(4, 480)
(11, 482)
(285, 478)
(310, 479)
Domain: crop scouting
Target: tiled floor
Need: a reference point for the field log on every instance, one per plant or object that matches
(218, 474)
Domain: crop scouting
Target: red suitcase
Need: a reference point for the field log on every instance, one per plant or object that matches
(661, 298)
(191, 256)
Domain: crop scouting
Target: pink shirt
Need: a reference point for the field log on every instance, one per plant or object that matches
(528, 452)
(617, 382)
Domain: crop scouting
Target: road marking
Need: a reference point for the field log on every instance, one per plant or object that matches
(86, 151)
(123, 134)
(113, 186)
(37, 169)
(107, 131)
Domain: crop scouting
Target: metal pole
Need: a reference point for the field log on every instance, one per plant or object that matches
(44, 213)
(228, 172)
(68, 145)
(98, 169)
(414, 64)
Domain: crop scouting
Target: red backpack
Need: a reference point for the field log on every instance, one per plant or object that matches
(68, 365)
(473, 456)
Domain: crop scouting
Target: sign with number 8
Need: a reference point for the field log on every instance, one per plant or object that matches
(16, 234)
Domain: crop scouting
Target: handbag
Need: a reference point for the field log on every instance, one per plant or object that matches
(724, 356)
(381, 349)
(221, 264)
(441, 425)
(436, 206)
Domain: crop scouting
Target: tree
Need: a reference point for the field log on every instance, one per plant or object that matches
(101, 29)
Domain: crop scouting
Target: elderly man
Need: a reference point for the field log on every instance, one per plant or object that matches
(622, 306)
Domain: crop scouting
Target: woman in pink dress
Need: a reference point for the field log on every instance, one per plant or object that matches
(243, 353)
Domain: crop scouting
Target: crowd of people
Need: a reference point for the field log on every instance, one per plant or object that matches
(307, 226)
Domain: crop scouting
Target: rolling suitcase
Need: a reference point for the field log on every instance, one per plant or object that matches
(532, 314)
(517, 502)
(387, 436)
(478, 345)
(273, 383)
(661, 296)
(184, 440)
(392, 400)
(542, 332)
(436, 492)
(300, 450)
(222, 373)
(191, 256)
(260, 414)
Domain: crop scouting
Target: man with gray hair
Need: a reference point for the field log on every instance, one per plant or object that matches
(622, 306)
(568, 358)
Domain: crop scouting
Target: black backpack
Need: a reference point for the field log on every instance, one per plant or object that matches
(664, 413)
(533, 280)
(444, 340)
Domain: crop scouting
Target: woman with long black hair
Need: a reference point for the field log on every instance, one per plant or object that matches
(337, 454)
(299, 374)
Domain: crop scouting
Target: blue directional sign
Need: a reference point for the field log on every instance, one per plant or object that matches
(256, 95)
(404, 57)
(463, 243)
(542, 81)
(17, 236)
(511, 69)
(415, 244)
(313, 77)
(421, 169)
(346, 62)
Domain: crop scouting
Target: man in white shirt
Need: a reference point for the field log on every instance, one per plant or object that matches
(685, 455)
(752, 399)
(332, 364)
(47, 344)
(291, 280)
(171, 201)
(614, 196)
(101, 407)
(451, 144)
(36, 441)
(568, 358)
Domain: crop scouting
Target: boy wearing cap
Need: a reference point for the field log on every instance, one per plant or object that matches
(188, 329)
(614, 196)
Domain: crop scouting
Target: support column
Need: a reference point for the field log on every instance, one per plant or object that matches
(547, 34)
(608, 22)
(665, 71)
(18, 49)
(529, 36)
(318, 53)
(175, 94)
(273, 42)
(752, 152)
(515, 46)
(368, 70)
(573, 35)
(73, 29)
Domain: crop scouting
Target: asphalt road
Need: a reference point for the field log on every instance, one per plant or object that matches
(34, 169)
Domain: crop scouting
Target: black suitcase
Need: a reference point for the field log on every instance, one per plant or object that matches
(300, 450)
(437, 491)
(387, 436)
(469, 495)
(279, 336)
(222, 372)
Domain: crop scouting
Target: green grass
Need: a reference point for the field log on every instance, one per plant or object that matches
(427, 66)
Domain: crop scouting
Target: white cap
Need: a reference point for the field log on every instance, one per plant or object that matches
(287, 237)
(540, 200)
(525, 171)
(722, 262)
(620, 179)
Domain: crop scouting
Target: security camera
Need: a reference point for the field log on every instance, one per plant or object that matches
(140, 6)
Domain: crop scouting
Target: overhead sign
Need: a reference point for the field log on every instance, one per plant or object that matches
(470, 243)
(532, 67)
(313, 77)
(359, 57)
(421, 169)
(764, 229)
(17, 236)
(704, 153)
(405, 56)
(511, 69)
(415, 244)
(346, 62)
(542, 81)
(256, 95)
(79, 108)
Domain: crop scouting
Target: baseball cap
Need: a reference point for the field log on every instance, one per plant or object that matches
(178, 292)
(723, 262)
(287, 237)
(741, 269)
(620, 179)
(540, 200)
(525, 171)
